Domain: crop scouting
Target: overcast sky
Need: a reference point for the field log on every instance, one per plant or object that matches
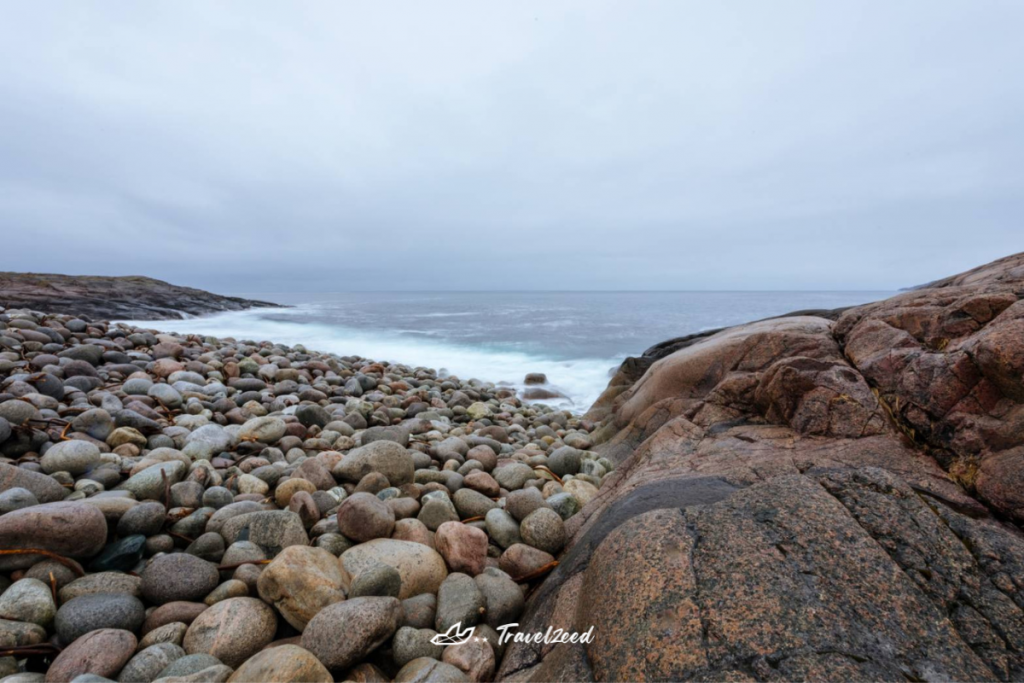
(258, 146)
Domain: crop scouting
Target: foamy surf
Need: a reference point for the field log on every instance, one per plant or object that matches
(581, 380)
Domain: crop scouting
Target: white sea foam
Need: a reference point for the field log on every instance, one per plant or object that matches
(582, 380)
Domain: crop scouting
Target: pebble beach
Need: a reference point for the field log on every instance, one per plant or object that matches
(177, 507)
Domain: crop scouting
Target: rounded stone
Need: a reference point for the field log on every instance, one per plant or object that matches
(412, 643)
(103, 653)
(364, 516)
(502, 528)
(28, 600)
(87, 613)
(232, 630)
(421, 567)
(543, 529)
(74, 457)
(385, 457)
(178, 577)
(146, 519)
(300, 582)
(344, 633)
(150, 661)
(379, 580)
(16, 498)
(463, 547)
(426, 670)
(70, 529)
(282, 664)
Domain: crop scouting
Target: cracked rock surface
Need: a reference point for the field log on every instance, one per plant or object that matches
(829, 495)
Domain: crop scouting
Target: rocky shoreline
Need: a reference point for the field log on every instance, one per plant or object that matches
(206, 510)
(114, 298)
(826, 495)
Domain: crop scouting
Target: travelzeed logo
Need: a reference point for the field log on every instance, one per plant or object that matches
(457, 636)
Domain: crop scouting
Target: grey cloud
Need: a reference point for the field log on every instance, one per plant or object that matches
(255, 146)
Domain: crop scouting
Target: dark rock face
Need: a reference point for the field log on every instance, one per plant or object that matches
(105, 298)
(818, 496)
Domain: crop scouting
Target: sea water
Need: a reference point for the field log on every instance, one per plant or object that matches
(577, 339)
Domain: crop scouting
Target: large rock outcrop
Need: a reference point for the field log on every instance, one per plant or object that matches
(830, 495)
(111, 298)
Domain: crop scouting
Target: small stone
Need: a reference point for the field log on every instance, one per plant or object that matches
(346, 632)
(149, 662)
(120, 555)
(146, 519)
(426, 670)
(543, 529)
(28, 600)
(463, 547)
(521, 560)
(103, 652)
(282, 664)
(74, 457)
(502, 528)
(379, 580)
(521, 503)
(420, 610)
(470, 503)
(411, 643)
(232, 630)
(15, 499)
(385, 457)
(151, 483)
(435, 511)
(88, 613)
(513, 475)
(188, 665)
(232, 588)
(173, 632)
(70, 529)
(422, 568)
(459, 601)
(300, 582)
(565, 504)
(582, 491)
(178, 577)
(502, 596)
(475, 658)
(363, 517)
(479, 411)
(103, 582)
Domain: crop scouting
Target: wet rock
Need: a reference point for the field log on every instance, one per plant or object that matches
(379, 580)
